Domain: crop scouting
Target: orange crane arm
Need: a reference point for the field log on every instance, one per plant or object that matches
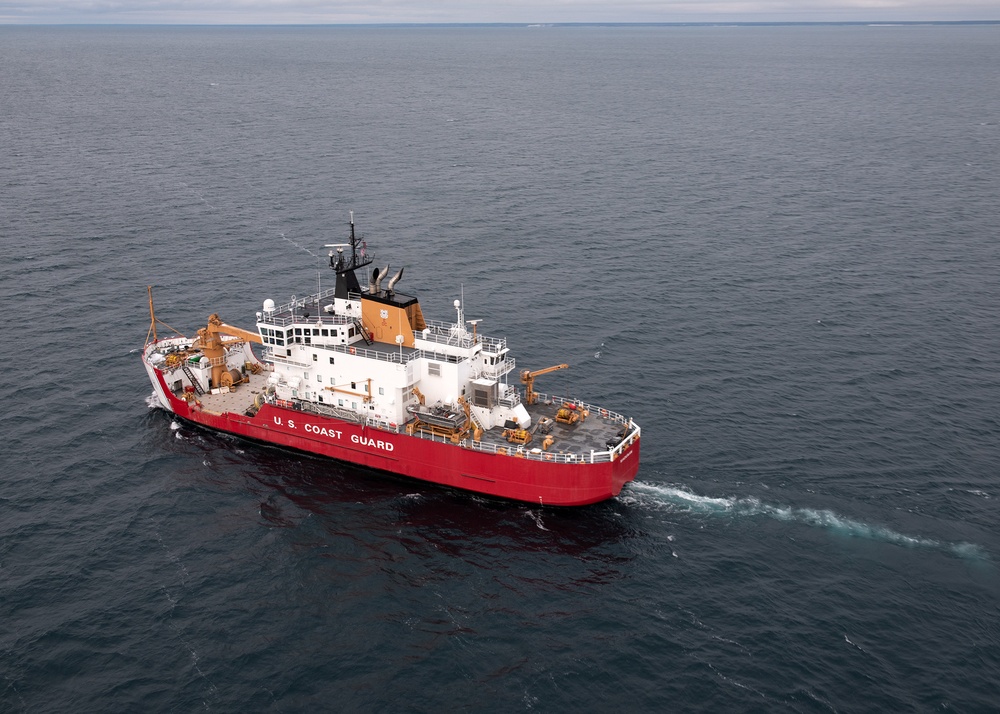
(242, 334)
(217, 325)
(209, 342)
(208, 335)
(540, 372)
(528, 379)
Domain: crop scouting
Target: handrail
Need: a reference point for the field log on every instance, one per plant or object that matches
(269, 355)
(318, 319)
(302, 301)
(328, 410)
(495, 371)
(594, 457)
(604, 413)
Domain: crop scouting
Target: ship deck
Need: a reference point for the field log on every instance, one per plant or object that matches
(239, 399)
(591, 434)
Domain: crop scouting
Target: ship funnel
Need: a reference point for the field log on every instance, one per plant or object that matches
(395, 279)
(375, 287)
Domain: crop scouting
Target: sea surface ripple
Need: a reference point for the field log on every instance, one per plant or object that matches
(774, 247)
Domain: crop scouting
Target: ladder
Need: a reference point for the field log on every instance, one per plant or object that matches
(475, 418)
(194, 382)
(364, 332)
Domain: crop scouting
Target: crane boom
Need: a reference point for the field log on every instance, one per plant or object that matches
(528, 379)
(210, 343)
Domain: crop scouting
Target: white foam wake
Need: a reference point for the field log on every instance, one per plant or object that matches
(674, 498)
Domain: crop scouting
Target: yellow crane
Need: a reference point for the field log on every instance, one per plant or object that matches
(211, 344)
(528, 379)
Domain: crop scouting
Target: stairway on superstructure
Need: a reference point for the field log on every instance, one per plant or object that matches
(194, 382)
(364, 332)
(476, 420)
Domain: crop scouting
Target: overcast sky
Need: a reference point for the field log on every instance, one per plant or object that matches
(526, 11)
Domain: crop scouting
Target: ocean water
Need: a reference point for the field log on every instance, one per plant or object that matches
(775, 247)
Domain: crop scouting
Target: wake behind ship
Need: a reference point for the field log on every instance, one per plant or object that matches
(357, 374)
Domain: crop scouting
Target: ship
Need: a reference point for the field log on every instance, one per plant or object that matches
(357, 374)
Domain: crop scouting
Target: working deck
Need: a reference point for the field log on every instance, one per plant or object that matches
(238, 400)
(597, 432)
(591, 434)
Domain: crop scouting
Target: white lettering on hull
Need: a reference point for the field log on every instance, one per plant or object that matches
(376, 443)
(338, 434)
(332, 433)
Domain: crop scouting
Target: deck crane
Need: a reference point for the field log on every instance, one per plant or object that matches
(210, 342)
(528, 379)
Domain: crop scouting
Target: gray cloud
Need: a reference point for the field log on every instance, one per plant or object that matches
(527, 11)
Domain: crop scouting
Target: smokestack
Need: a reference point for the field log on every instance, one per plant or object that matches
(377, 277)
(395, 279)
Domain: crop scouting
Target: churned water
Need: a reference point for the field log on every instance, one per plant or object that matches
(775, 247)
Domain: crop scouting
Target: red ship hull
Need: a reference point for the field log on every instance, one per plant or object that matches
(529, 478)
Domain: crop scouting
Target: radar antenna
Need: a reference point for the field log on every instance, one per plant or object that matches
(344, 264)
(358, 258)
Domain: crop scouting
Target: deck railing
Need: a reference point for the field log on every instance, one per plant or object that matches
(595, 456)
(319, 319)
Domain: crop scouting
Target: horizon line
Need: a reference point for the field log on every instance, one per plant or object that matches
(561, 23)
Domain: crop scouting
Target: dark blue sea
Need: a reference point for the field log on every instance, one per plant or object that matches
(775, 247)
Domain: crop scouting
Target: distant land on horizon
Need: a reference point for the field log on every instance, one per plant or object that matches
(713, 23)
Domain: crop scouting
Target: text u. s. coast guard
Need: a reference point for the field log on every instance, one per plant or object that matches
(336, 434)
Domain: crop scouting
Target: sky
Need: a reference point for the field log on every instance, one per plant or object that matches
(467, 11)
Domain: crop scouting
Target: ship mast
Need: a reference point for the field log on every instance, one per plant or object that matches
(344, 265)
(153, 319)
(152, 315)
